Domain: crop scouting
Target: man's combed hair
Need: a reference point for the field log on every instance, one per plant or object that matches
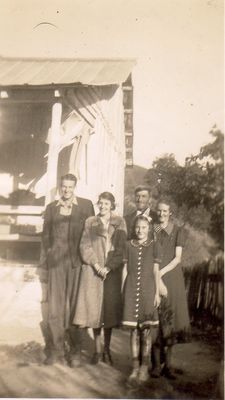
(139, 188)
(69, 177)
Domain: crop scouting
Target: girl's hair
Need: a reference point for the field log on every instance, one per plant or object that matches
(142, 217)
(165, 199)
(108, 196)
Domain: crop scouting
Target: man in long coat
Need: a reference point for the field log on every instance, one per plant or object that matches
(143, 206)
(63, 225)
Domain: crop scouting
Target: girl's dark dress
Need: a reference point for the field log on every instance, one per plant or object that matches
(173, 310)
(139, 290)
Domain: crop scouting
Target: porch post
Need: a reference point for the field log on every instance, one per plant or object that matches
(53, 152)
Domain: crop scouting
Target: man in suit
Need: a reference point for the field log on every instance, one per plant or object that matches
(143, 206)
(63, 225)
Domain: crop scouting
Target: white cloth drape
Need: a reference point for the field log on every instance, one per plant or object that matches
(92, 138)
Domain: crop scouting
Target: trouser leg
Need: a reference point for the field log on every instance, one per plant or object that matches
(56, 309)
(167, 370)
(168, 356)
(56, 328)
(75, 335)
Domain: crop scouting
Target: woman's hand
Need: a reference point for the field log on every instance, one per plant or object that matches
(162, 288)
(156, 300)
(102, 272)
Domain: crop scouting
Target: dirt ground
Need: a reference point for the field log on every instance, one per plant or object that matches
(22, 373)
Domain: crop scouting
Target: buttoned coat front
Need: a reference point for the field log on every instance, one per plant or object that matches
(99, 302)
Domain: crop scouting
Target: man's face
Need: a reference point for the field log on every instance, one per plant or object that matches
(142, 200)
(67, 189)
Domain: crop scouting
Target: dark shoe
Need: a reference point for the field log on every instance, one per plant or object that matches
(96, 358)
(107, 358)
(167, 372)
(178, 371)
(156, 372)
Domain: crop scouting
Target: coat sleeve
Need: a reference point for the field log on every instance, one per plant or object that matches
(45, 246)
(86, 249)
(46, 234)
(91, 211)
(116, 257)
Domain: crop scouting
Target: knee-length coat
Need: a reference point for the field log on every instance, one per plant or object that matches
(99, 302)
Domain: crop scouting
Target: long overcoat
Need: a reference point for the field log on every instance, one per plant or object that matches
(99, 302)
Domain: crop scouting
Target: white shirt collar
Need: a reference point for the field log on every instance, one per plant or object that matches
(146, 212)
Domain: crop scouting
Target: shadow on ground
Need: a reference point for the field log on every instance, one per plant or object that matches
(24, 375)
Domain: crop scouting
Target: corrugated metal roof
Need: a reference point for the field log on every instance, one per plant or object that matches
(35, 72)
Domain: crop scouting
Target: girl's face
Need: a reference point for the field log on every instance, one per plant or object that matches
(142, 230)
(163, 211)
(104, 207)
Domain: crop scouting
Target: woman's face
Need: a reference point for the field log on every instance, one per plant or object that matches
(104, 206)
(163, 211)
(142, 230)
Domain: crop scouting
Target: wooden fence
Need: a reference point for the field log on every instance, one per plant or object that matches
(205, 292)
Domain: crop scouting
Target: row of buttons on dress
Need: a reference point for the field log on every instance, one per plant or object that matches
(138, 282)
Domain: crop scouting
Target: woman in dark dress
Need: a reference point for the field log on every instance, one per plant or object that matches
(173, 310)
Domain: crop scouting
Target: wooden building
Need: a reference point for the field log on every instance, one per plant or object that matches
(59, 116)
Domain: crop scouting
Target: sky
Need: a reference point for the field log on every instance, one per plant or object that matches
(178, 47)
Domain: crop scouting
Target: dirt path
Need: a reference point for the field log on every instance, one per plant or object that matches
(22, 373)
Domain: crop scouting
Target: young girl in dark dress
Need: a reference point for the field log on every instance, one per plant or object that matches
(141, 296)
(173, 310)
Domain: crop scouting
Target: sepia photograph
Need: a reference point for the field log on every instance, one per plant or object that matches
(112, 199)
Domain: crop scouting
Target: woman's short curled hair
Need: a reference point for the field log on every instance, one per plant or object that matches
(108, 196)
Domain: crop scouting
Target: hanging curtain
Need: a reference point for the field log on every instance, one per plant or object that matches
(91, 143)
